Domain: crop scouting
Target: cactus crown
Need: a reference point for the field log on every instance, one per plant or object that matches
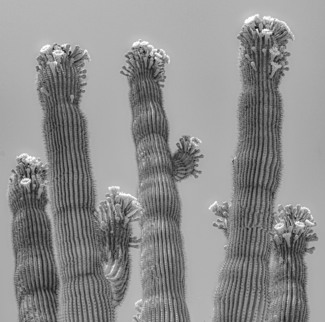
(57, 64)
(30, 173)
(28, 179)
(272, 36)
(143, 57)
(294, 224)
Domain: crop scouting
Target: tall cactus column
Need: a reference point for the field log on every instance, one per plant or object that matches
(36, 280)
(84, 291)
(162, 255)
(242, 294)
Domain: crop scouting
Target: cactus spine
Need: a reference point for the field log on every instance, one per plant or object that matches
(162, 258)
(242, 294)
(291, 233)
(36, 280)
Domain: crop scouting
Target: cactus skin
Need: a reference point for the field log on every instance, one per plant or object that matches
(162, 255)
(36, 280)
(292, 232)
(85, 294)
(242, 293)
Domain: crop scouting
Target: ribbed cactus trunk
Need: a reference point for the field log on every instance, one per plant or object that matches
(288, 270)
(162, 254)
(242, 294)
(36, 280)
(84, 292)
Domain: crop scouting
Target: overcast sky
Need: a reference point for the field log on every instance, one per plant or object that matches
(200, 95)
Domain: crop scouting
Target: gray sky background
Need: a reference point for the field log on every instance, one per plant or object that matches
(200, 95)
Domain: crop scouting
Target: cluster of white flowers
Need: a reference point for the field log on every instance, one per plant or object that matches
(56, 53)
(30, 173)
(144, 48)
(143, 54)
(121, 206)
(267, 28)
(292, 223)
(54, 56)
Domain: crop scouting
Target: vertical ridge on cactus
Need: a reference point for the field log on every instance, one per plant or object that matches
(85, 294)
(242, 294)
(162, 255)
(36, 280)
(291, 234)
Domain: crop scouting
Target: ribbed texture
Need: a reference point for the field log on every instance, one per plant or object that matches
(84, 292)
(242, 294)
(288, 293)
(114, 218)
(162, 254)
(35, 278)
(291, 235)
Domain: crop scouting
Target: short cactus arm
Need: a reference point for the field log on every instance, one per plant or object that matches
(242, 294)
(162, 255)
(84, 292)
(222, 213)
(114, 217)
(36, 279)
(185, 159)
(291, 235)
(138, 306)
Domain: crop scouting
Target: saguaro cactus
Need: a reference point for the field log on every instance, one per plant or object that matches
(162, 255)
(87, 293)
(36, 281)
(291, 235)
(242, 294)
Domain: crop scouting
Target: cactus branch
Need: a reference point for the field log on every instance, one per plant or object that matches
(114, 217)
(291, 234)
(185, 159)
(36, 280)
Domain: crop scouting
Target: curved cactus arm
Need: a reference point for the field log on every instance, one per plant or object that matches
(84, 293)
(115, 216)
(36, 280)
(222, 213)
(291, 235)
(162, 254)
(185, 159)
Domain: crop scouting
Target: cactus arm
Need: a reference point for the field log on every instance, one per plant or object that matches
(222, 213)
(36, 281)
(185, 159)
(291, 235)
(115, 216)
(162, 255)
(242, 293)
(138, 307)
(84, 293)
